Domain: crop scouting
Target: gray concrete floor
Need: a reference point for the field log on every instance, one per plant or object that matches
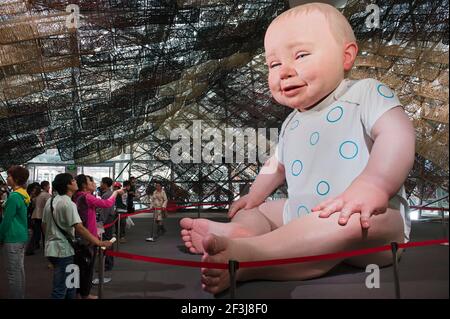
(423, 272)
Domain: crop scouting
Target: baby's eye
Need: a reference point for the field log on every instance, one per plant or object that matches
(301, 55)
(274, 65)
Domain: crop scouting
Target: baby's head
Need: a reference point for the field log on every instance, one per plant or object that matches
(308, 50)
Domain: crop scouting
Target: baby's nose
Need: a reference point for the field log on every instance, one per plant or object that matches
(287, 71)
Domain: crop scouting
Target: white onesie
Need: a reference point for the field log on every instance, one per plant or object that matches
(324, 149)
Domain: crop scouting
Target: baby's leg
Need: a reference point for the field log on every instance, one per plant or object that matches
(306, 236)
(245, 223)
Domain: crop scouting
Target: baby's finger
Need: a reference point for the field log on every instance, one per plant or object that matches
(235, 207)
(365, 216)
(329, 210)
(322, 205)
(346, 212)
(339, 202)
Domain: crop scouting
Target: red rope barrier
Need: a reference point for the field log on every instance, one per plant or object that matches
(345, 254)
(167, 261)
(424, 243)
(110, 225)
(273, 262)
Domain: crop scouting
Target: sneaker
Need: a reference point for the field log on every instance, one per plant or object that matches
(90, 297)
(150, 239)
(106, 280)
(123, 240)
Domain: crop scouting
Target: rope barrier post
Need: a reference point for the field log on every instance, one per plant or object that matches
(118, 232)
(444, 228)
(233, 266)
(101, 269)
(152, 234)
(155, 224)
(394, 249)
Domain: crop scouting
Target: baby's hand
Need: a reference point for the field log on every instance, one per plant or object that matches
(361, 197)
(245, 202)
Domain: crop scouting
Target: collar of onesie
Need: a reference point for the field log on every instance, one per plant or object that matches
(332, 97)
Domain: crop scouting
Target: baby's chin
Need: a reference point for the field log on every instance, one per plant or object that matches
(303, 106)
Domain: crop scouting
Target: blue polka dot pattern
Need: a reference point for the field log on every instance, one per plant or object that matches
(323, 188)
(297, 167)
(335, 114)
(348, 150)
(302, 210)
(295, 124)
(314, 139)
(384, 91)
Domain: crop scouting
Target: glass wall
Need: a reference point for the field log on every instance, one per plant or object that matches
(45, 173)
(98, 172)
(440, 200)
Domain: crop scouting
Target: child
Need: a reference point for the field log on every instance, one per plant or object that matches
(345, 152)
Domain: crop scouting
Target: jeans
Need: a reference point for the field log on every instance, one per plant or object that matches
(60, 290)
(109, 260)
(35, 238)
(14, 255)
(37, 233)
(85, 259)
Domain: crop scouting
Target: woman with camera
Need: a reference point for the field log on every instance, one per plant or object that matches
(86, 205)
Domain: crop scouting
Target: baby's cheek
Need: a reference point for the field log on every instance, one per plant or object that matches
(313, 72)
(273, 89)
(277, 98)
(272, 81)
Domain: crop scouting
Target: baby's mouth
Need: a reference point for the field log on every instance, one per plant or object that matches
(291, 90)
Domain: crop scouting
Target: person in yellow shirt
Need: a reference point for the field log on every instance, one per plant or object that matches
(14, 230)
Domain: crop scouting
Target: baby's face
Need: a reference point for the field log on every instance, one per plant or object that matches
(305, 61)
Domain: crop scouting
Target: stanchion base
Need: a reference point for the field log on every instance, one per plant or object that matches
(150, 239)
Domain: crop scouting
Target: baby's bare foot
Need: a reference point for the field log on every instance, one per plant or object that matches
(195, 230)
(217, 250)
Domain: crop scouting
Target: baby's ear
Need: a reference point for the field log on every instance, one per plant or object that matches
(350, 53)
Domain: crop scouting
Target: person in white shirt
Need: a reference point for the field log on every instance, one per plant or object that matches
(159, 203)
(36, 217)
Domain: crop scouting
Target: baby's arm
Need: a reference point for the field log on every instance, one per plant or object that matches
(269, 178)
(391, 159)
